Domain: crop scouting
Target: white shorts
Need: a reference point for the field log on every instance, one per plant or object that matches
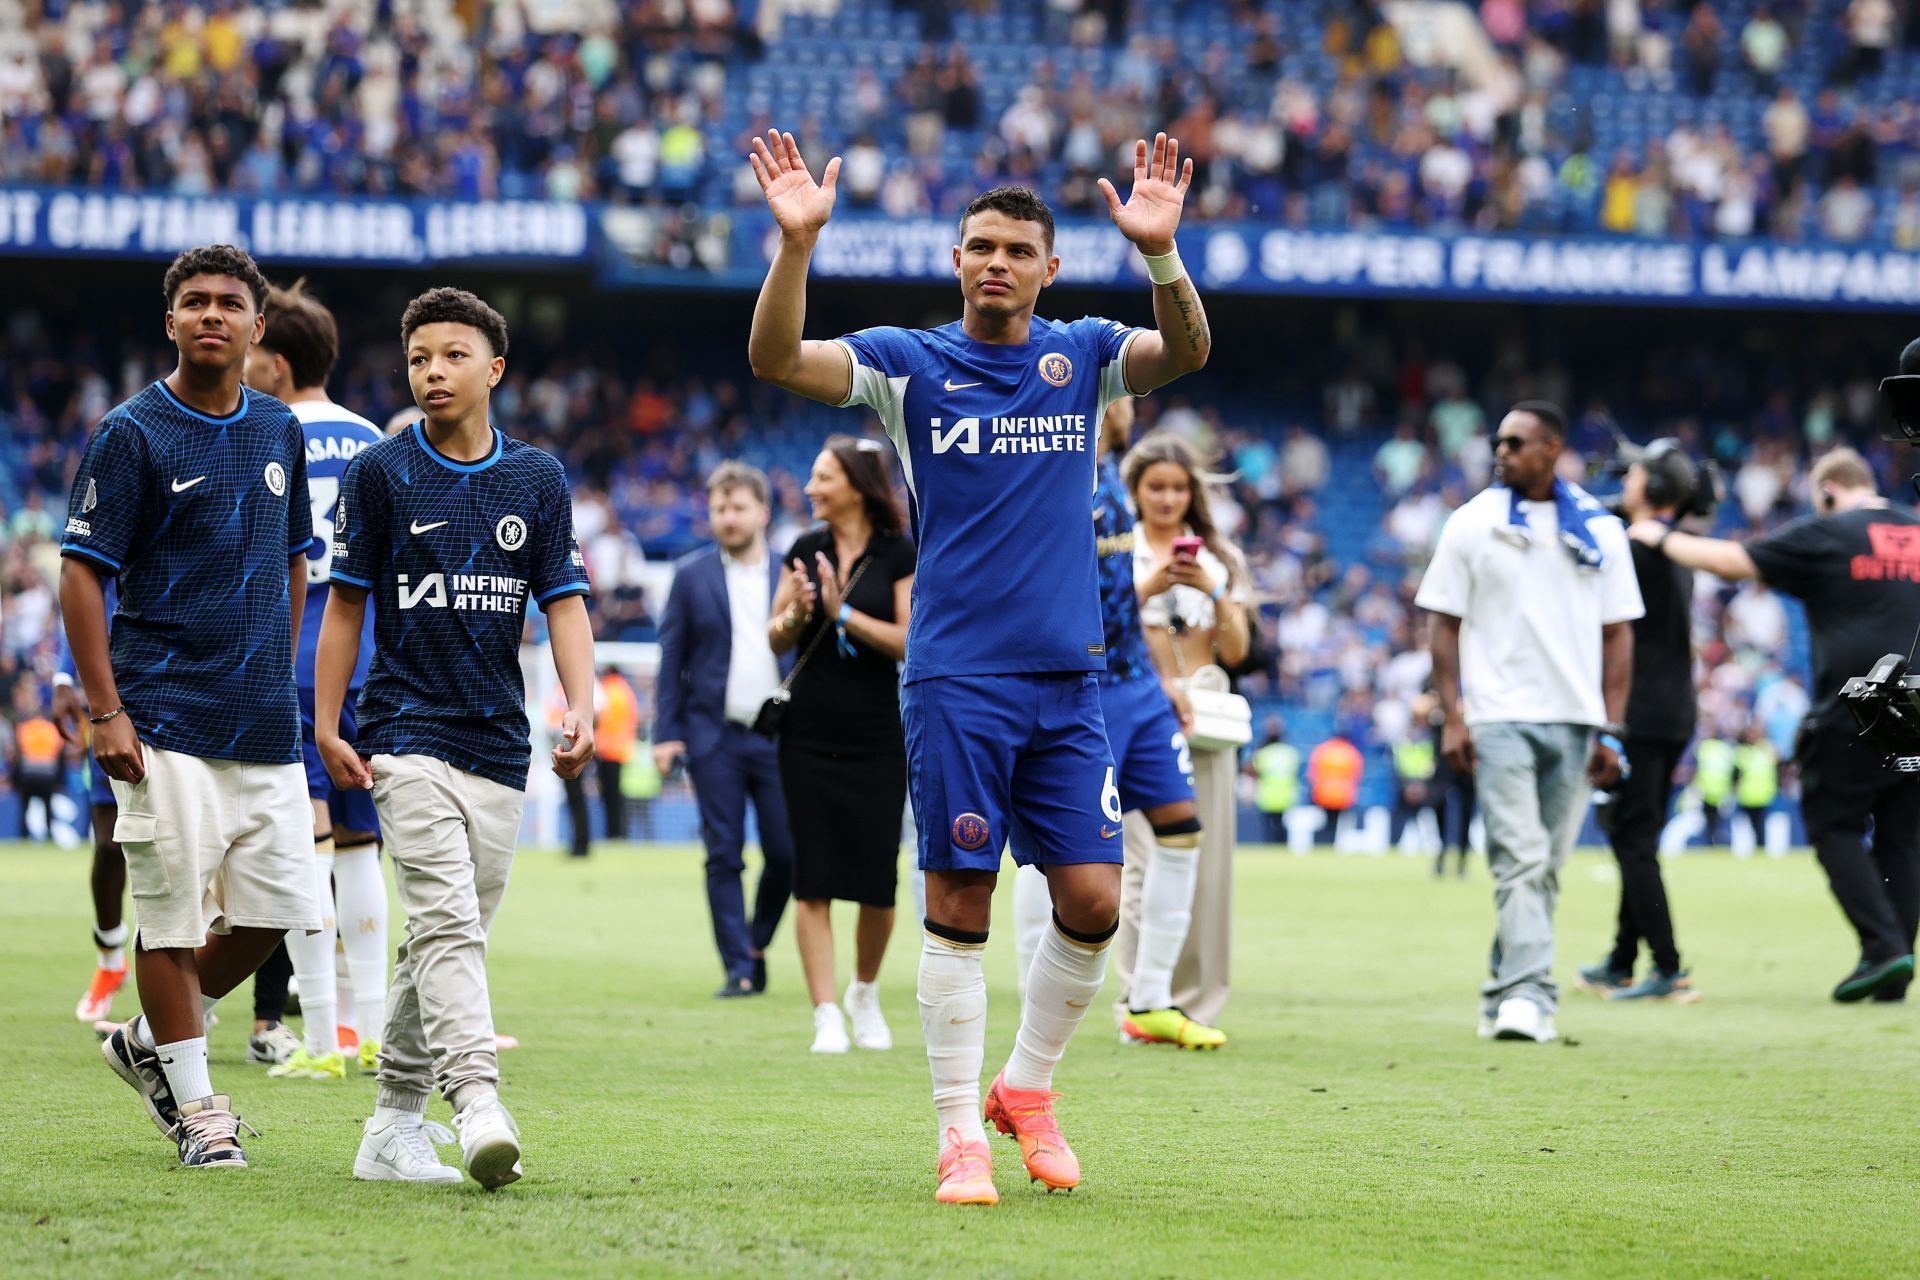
(214, 844)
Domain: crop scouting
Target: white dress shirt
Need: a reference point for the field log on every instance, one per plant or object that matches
(752, 671)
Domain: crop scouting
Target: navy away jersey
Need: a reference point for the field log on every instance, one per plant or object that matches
(450, 552)
(997, 444)
(334, 436)
(1113, 521)
(198, 516)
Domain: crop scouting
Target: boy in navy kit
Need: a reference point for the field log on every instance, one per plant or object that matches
(194, 495)
(293, 360)
(995, 418)
(1143, 710)
(454, 528)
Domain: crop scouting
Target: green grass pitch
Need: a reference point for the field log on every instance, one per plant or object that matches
(1354, 1127)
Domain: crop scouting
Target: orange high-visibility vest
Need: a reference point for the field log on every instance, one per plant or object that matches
(1333, 771)
(39, 742)
(619, 721)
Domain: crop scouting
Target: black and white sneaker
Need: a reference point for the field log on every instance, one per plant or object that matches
(209, 1134)
(139, 1066)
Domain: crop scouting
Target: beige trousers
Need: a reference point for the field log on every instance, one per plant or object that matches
(450, 835)
(1201, 980)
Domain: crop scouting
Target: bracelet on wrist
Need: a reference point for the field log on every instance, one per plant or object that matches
(108, 716)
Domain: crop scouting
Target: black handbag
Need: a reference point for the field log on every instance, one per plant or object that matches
(773, 712)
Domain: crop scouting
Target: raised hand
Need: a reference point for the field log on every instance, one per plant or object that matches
(799, 205)
(1151, 213)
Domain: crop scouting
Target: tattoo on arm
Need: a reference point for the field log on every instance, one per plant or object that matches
(1193, 321)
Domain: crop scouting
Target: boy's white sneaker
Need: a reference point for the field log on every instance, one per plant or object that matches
(870, 1030)
(401, 1150)
(829, 1029)
(1522, 1019)
(489, 1142)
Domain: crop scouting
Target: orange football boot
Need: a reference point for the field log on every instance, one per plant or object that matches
(966, 1172)
(1027, 1114)
(95, 1005)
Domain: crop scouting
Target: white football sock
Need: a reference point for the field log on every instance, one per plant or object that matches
(312, 956)
(953, 1014)
(185, 1065)
(1032, 912)
(361, 895)
(1166, 912)
(112, 944)
(1063, 982)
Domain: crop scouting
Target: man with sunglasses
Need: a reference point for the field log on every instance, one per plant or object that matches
(1855, 565)
(1532, 595)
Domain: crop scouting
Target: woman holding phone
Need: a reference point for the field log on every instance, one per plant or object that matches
(843, 604)
(1194, 590)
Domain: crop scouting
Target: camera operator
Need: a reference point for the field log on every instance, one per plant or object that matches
(1662, 484)
(1855, 565)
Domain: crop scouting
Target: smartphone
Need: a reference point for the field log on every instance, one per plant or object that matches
(1189, 547)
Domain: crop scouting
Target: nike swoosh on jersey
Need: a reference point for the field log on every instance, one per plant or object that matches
(959, 386)
(180, 486)
(417, 527)
(1108, 833)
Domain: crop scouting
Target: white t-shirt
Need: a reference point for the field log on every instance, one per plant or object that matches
(753, 673)
(1530, 617)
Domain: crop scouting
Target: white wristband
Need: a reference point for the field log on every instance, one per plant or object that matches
(1165, 268)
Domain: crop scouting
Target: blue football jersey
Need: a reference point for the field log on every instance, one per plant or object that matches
(1113, 520)
(198, 517)
(450, 552)
(334, 436)
(997, 444)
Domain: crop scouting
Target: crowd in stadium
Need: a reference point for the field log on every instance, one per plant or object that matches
(1336, 505)
(1794, 120)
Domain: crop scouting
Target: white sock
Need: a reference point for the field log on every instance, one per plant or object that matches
(953, 1014)
(185, 1065)
(312, 956)
(383, 1116)
(112, 944)
(1166, 912)
(1065, 978)
(1032, 912)
(361, 896)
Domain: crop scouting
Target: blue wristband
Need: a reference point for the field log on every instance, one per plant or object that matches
(1619, 747)
(841, 643)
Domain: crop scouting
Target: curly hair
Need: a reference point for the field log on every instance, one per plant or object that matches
(1023, 204)
(454, 306)
(216, 260)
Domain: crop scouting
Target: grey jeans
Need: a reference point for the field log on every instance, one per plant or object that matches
(1533, 796)
(450, 835)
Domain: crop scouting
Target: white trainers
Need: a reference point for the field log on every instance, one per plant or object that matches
(1522, 1019)
(489, 1142)
(273, 1046)
(829, 1029)
(870, 1029)
(401, 1150)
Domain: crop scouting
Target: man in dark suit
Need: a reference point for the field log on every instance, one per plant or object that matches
(716, 669)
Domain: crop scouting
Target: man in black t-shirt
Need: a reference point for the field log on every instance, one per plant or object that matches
(1855, 565)
(1660, 723)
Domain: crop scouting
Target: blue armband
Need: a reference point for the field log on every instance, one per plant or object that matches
(841, 643)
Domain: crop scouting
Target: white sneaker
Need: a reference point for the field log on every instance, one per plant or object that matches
(401, 1150)
(273, 1046)
(870, 1029)
(1521, 1019)
(489, 1142)
(829, 1029)
(1486, 1026)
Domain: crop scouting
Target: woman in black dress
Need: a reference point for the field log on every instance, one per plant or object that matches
(843, 604)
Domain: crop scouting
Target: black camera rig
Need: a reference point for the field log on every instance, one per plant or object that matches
(1885, 704)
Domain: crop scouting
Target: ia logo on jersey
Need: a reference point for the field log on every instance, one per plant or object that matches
(92, 499)
(277, 479)
(1056, 368)
(510, 533)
